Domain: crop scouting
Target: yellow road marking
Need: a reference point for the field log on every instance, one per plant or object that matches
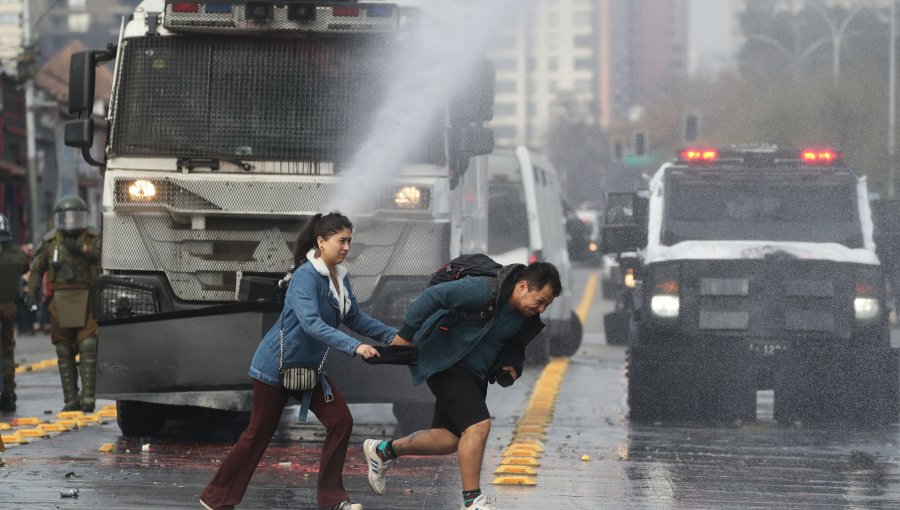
(507, 469)
(41, 365)
(587, 299)
(31, 428)
(520, 457)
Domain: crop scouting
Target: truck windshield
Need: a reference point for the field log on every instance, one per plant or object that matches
(761, 205)
(279, 99)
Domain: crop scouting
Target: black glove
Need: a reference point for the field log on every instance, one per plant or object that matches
(503, 378)
(73, 246)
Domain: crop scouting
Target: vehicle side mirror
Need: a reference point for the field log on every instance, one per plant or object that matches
(477, 140)
(82, 75)
(624, 226)
(476, 102)
(80, 133)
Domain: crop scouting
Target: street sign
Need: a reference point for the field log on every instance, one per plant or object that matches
(632, 160)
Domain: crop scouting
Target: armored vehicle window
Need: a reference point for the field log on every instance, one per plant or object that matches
(762, 206)
(252, 99)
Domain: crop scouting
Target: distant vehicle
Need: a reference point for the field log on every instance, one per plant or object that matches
(592, 218)
(525, 224)
(578, 237)
(757, 269)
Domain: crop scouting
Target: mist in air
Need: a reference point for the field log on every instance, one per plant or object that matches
(436, 59)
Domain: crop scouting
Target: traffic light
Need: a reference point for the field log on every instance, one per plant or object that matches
(691, 127)
(640, 143)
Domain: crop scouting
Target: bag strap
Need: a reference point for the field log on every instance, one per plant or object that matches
(281, 350)
(484, 314)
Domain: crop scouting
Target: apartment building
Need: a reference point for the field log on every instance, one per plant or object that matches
(603, 56)
(10, 34)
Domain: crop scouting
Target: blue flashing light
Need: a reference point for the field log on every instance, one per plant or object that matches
(218, 8)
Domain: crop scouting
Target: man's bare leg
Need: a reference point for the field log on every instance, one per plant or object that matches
(426, 442)
(471, 454)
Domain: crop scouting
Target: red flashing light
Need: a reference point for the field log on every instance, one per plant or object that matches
(345, 12)
(864, 289)
(534, 257)
(696, 155)
(818, 156)
(184, 7)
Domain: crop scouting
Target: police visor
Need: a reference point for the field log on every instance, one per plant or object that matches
(71, 219)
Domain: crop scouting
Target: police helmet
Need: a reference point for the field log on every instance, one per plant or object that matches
(71, 214)
(5, 229)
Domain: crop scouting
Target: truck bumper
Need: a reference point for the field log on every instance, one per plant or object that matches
(201, 358)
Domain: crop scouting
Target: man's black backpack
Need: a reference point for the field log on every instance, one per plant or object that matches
(475, 264)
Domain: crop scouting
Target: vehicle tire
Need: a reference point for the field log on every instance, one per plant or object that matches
(705, 387)
(538, 350)
(832, 386)
(568, 342)
(412, 417)
(616, 326)
(140, 418)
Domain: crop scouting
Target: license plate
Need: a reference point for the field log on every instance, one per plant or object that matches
(767, 349)
(724, 320)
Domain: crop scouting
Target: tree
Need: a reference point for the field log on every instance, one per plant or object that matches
(579, 150)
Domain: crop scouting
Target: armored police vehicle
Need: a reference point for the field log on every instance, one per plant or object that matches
(231, 122)
(757, 271)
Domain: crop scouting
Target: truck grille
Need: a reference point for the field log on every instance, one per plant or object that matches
(203, 265)
(768, 299)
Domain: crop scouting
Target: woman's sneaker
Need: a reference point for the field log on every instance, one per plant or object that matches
(377, 467)
(346, 505)
(480, 503)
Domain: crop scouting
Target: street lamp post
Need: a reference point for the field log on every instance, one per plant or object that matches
(892, 103)
(31, 135)
(837, 35)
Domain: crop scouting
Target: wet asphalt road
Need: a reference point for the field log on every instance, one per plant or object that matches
(758, 465)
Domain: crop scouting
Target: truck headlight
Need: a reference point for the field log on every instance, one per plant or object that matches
(866, 308)
(408, 197)
(665, 306)
(141, 190)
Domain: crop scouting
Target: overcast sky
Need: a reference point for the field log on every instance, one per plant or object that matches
(711, 23)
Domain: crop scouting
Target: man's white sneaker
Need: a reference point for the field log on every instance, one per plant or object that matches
(480, 503)
(377, 467)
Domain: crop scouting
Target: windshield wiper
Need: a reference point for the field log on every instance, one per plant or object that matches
(211, 163)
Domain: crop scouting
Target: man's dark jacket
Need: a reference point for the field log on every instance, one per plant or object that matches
(444, 323)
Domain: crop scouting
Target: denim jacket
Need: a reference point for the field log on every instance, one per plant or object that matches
(311, 315)
(444, 337)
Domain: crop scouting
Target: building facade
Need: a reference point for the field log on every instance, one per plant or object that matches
(603, 56)
(10, 34)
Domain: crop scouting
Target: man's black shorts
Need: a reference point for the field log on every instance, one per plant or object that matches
(460, 398)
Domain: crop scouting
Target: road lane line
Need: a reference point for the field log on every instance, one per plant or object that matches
(587, 299)
(520, 461)
(26, 429)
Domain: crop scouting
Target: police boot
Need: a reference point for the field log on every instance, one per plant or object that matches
(8, 397)
(87, 365)
(68, 376)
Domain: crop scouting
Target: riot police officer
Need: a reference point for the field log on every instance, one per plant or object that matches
(12, 265)
(70, 254)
